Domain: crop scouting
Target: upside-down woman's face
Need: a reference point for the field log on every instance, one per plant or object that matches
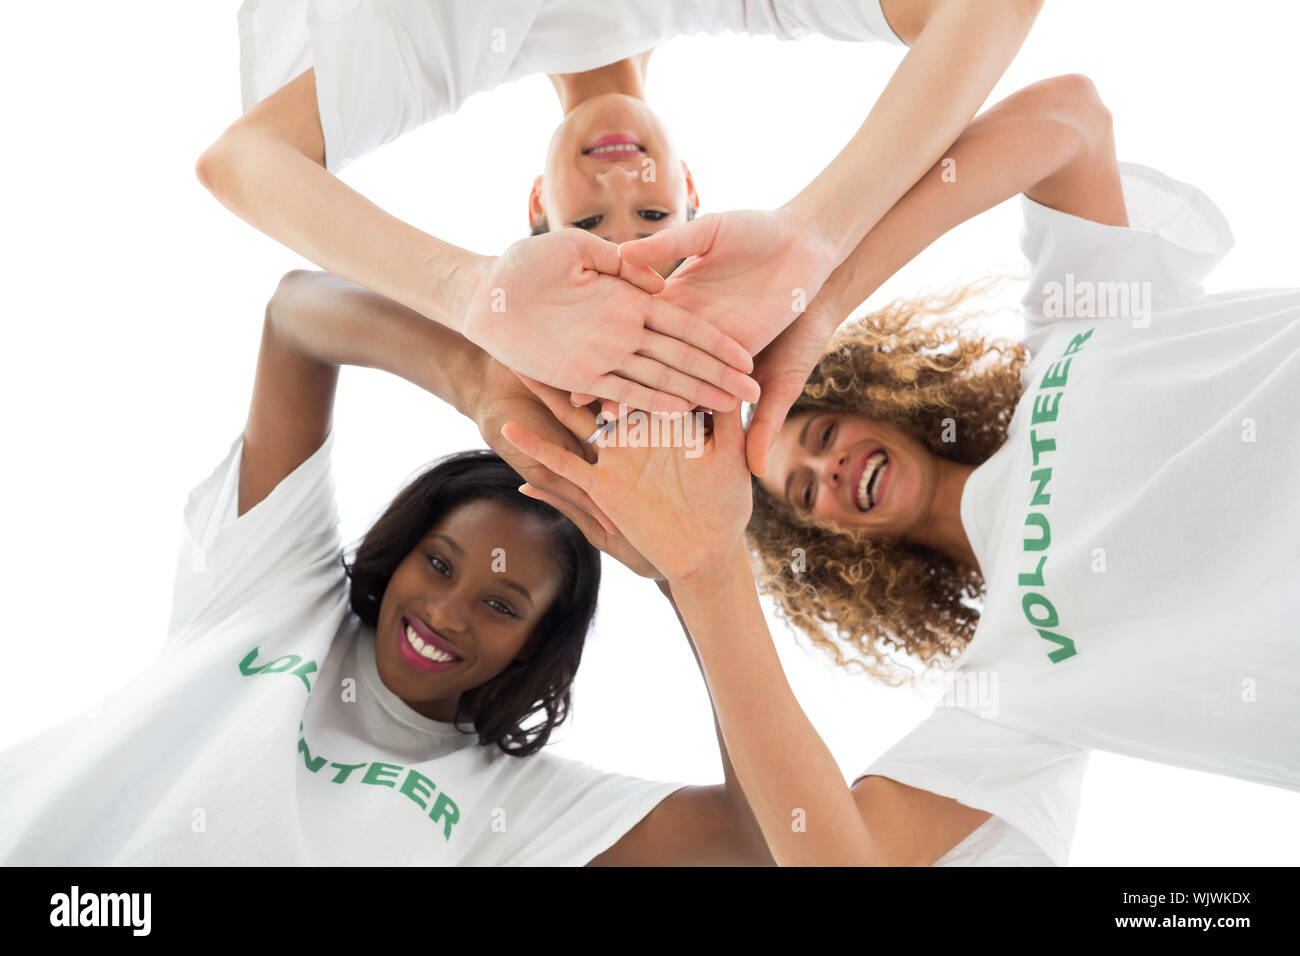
(612, 169)
(856, 472)
(464, 604)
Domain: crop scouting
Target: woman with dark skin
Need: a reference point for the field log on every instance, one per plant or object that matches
(317, 322)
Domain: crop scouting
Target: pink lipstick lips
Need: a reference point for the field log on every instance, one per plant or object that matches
(614, 146)
(445, 655)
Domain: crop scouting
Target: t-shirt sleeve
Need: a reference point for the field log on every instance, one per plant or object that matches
(564, 812)
(1175, 237)
(382, 68)
(289, 541)
(1031, 783)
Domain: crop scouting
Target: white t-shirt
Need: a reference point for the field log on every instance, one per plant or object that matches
(384, 67)
(264, 735)
(1139, 532)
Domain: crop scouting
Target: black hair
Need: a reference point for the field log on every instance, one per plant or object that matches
(499, 708)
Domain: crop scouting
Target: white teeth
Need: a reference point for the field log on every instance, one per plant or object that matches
(426, 650)
(620, 148)
(867, 484)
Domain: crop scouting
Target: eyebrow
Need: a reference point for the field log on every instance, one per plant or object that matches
(803, 433)
(506, 581)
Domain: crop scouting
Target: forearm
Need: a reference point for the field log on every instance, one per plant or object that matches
(953, 64)
(271, 184)
(1015, 146)
(337, 322)
(737, 806)
(791, 781)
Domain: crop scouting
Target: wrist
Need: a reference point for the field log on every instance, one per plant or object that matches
(452, 284)
(468, 378)
(820, 216)
(715, 574)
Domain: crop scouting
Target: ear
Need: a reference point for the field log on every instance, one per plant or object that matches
(535, 211)
(691, 195)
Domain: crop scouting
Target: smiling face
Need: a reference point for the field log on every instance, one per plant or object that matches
(860, 474)
(470, 594)
(612, 169)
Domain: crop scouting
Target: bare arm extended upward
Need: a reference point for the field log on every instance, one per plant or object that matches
(563, 307)
(753, 269)
(687, 515)
(1052, 141)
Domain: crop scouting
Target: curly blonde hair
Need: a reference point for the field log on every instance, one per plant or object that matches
(913, 365)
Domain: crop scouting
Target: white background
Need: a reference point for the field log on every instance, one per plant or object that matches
(133, 305)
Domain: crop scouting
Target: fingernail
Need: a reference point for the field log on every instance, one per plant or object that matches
(574, 402)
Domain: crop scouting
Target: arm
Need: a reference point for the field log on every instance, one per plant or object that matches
(316, 322)
(561, 307)
(959, 50)
(751, 272)
(798, 794)
(695, 826)
(687, 516)
(1053, 141)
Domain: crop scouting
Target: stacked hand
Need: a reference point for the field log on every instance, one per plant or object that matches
(757, 277)
(565, 309)
(676, 514)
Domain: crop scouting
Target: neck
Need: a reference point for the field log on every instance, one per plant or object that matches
(442, 710)
(942, 529)
(625, 76)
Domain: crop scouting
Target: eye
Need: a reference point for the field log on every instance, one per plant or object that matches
(439, 565)
(654, 215)
(826, 435)
(500, 607)
(807, 496)
(591, 222)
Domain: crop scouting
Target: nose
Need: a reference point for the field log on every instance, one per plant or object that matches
(447, 612)
(831, 468)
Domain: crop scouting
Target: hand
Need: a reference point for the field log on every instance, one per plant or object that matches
(575, 421)
(564, 309)
(782, 369)
(750, 274)
(681, 513)
(502, 397)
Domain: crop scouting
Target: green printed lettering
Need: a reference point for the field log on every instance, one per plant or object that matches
(1036, 519)
(306, 668)
(1032, 600)
(1057, 374)
(1065, 650)
(313, 763)
(377, 770)
(1034, 580)
(446, 811)
(246, 665)
(1046, 408)
(1076, 343)
(344, 770)
(1040, 446)
(1041, 477)
(414, 782)
(282, 664)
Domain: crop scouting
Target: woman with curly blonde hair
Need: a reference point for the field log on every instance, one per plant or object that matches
(950, 390)
(1091, 534)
